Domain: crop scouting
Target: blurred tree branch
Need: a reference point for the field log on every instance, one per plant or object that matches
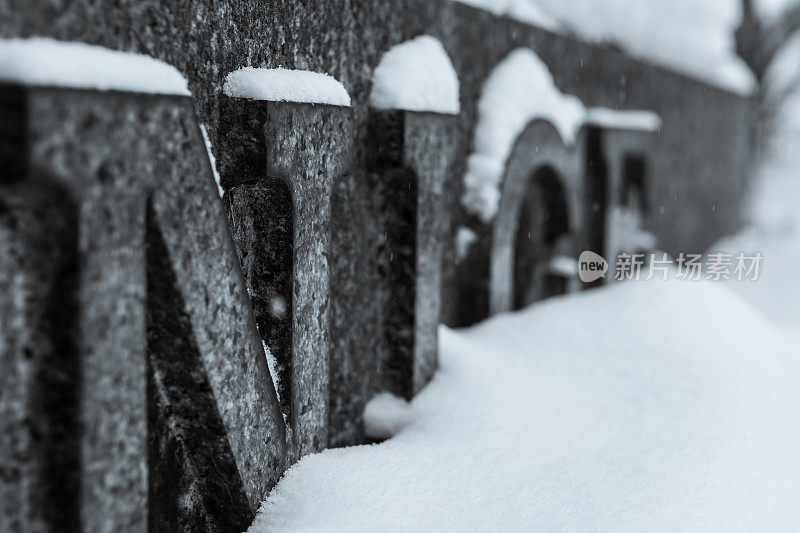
(758, 42)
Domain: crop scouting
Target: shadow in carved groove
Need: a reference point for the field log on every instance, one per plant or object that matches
(633, 190)
(596, 193)
(394, 187)
(39, 218)
(264, 235)
(194, 482)
(543, 222)
(398, 190)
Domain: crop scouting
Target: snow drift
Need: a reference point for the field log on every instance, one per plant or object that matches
(642, 406)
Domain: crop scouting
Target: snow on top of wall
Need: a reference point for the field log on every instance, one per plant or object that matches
(286, 85)
(522, 10)
(690, 36)
(46, 62)
(627, 119)
(520, 89)
(416, 75)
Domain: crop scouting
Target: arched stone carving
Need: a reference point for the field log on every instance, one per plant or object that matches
(538, 147)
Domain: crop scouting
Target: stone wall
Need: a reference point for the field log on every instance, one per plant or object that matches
(136, 304)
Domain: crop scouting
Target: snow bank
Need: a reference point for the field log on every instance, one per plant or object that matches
(772, 212)
(46, 62)
(416, 75)
(385, 415)
(675, 412)
(519, 89)
(280, 84)
(696, 38)
(627, 119)
(522, 10)
(212, 160)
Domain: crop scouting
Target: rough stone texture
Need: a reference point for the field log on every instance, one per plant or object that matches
(194, 482)
(538, 146)
(409, 158)
(111, 151)
(112, 350)
(262, 222)
(357, 296)
(429, 152)
(39, 410)
(206, 40)
(308, 147)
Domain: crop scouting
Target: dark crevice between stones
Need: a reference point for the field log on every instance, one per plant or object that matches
(395, 188)
(596, 194)
(13, 133)
(543, 219)
(194, 483)
(262, 224)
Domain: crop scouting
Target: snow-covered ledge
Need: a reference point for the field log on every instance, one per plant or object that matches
(519, 90)
(49, 63)
(623, 119)
(286, 85)
(416, 75)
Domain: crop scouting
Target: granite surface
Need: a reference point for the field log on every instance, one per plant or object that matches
(207, 39)
(111, 152)
(307, 147)
(538, 146)
(39, 363)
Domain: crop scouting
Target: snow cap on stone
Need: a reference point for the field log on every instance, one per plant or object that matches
(519, 90)
(416, 75)
(286, 85)
(625, 119)
(46, 62)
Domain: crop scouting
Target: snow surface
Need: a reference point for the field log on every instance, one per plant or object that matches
(626, 119)
(522, 10)
(46, 62)
(385, 415)
(212, 160)
(416, 75)
(773, 214)
(519, 90)
(280, 84)
(690, 36)
(641, 406)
